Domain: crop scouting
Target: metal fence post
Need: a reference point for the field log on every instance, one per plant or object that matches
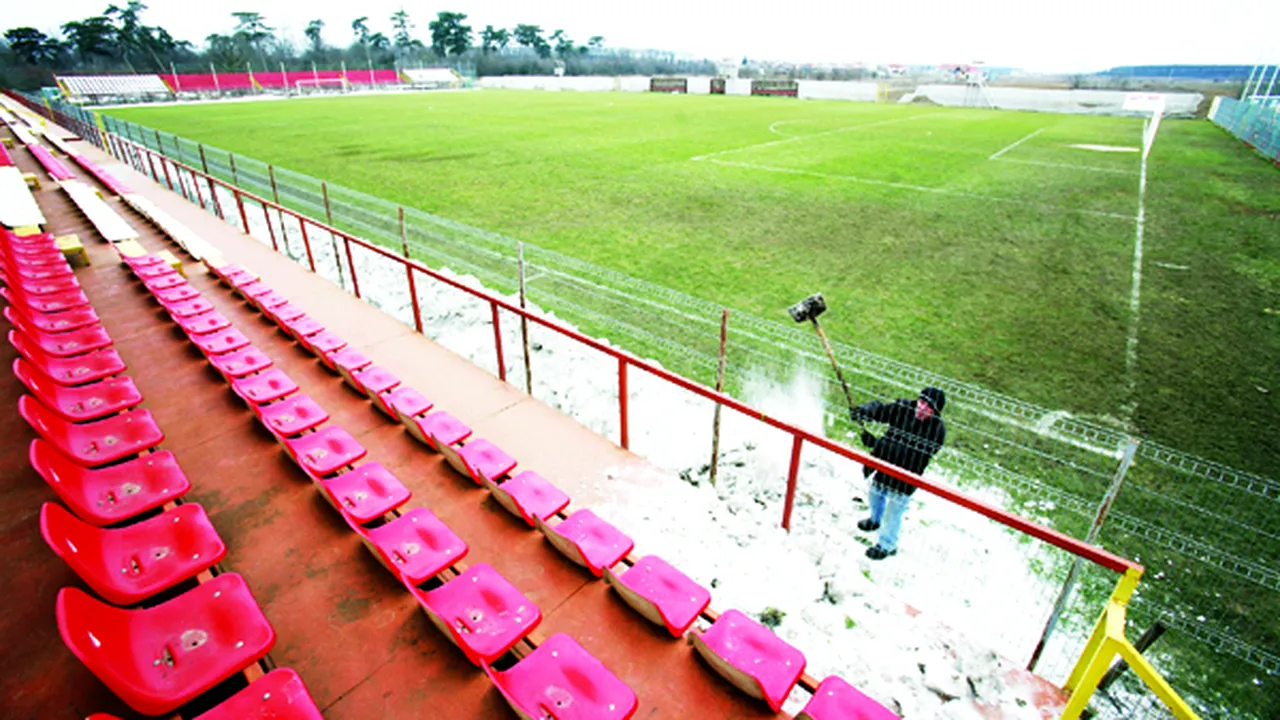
(408, 267)
(328, 214)
(497, 342)
(235, 177)
(306, 242)
(1104, 507)
(351, 263)
(792, 475)
(524, 321)
(715, 423)
(624, 431)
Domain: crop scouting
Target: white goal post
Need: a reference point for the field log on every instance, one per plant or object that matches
(305, 84)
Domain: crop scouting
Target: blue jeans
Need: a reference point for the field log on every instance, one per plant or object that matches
(887, 509)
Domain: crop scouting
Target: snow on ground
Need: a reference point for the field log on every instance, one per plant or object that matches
(931, 633)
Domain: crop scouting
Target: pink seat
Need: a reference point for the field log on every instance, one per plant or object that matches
(324, 452)
(36, 257)
(65, 344)
(322, 344)
(301, 327)
(52, 302)
(93, 443)
(479, 460)
(176, 294)
(366, 493)
(233, 273)
(87, 368)
(239, 363)
(223, 341)
(57, 322)
(284, 313)
(561, 680)
(347, 361)
(39, 272)
(240, 279)
(374, 381)
(836, 699)
(187, 308)
(587, 540)
(528, 496)
(143, 261)
(159, 284)
(291, 416)
(439, 428)
(112, 494)
(129, 565)
(78, 404)
(278, 695)
(662, 594)
(406, 404)
(203, 324)
(160, 658)
(264, 387)
(154, 271)
(751, 657)
(48, 286)
(415, 546)
(252, 290)
(269, 300)
(481, 612)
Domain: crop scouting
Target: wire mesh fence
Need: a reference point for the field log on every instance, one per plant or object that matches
(1257, 123)
(1209, 534)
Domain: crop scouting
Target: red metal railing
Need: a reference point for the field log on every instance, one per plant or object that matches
(800, 436)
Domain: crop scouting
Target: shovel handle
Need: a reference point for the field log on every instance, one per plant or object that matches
(848, 396)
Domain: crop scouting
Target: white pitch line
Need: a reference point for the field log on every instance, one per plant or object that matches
(794, 138)
(1010, 147)
(923, 188)
(1135, 294)
(1089, 168)
(774, 128)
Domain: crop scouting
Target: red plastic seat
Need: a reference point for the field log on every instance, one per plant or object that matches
(212, 321)
(479, 460)
(751, 657)
(87, 368)
(439, 428)
(52, 302)
(222, 341)
(176, 294)
(348, 360)
(159, 658)
(587, 540)
(48, 286)
(94, 443)
(130, 564)
(154, 271)
(366, 493)
(373, 380)
(264, 387)
(78, 404)
(284, 313)
(528, 495)
(292, 416)
(561, 680)
(278, 695)
(268, 300)
(836, 699)
(481, 612)
(252, 290)
(142, 261)
(39, 272)
(301, 327)
(156, 285)
(325, 452)
(415, 546)
(240, 279)
(36, 258)
(407, 404)
(662, 594)
(66, 344)
(110, 495)
(239, 363)
(322, 344)
(57, 322)
(234, 273)
(187, 308)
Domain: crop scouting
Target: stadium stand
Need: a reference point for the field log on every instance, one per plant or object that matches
(100, 88)
(432, 77)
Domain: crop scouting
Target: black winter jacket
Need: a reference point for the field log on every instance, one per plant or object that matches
(908, 443)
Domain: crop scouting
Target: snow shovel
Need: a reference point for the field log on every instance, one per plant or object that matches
(809, 309)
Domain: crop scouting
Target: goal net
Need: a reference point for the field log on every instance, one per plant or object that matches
(314, 85)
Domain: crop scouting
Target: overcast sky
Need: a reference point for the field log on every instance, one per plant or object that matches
(1080, 35)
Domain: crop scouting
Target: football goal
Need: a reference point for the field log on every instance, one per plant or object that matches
(321, 85)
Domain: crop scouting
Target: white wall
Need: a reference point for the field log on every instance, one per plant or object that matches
(1097, 102)
(838, 90)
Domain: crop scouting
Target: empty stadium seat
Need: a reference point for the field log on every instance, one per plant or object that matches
(241, 279)
(112, 494)
(301, 327)
(50, 303)
(211, 321)
(268, 300)
(587, 540)
(414, 546)
(179, 292)
(166, 282)
(323, 343)
(438, 428)
(240, 363)
(130, 564)
(325, 452)
(278, 695)
(142, 261)
(366, 493)
(159, 658)
(264, 387)
(372, 380)
(224, 272)
(187, 308)
(347, 361)
(68, 343)
(284, 313)
(528, 495)
(35, 273)
(662, 594)
(407, 404)
(93, 443)
(222, 341)
(87, 368)
(46, 286)
(751, 657)
(147, 272)
(481, 612)
(836, 699)
(82, 403)
(292, 416)
(479, 460)
(56, 322)
(562, 680)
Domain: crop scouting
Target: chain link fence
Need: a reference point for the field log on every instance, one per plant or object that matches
(1209, 534)
(1257, 123)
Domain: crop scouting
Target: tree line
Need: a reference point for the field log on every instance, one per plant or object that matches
(117, 40)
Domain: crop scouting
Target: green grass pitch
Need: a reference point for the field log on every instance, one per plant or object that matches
(1014, 272)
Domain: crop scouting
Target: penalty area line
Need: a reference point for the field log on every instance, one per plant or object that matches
(794, 138)
(1016, 144)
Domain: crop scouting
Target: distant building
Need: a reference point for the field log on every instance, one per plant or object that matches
(1209, 73)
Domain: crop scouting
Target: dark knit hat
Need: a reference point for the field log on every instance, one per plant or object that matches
(935, 397)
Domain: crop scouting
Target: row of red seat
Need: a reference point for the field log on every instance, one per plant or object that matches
(52, 165)
(416, 546)
(98, 451)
